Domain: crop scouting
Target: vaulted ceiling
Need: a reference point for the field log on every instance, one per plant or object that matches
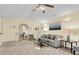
(25, 11)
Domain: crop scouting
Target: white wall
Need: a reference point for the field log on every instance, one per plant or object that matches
(72, 24)
(11, 29)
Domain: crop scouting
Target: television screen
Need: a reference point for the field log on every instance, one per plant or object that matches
(55, 26)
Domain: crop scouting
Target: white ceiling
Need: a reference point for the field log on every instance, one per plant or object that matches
(25, 11)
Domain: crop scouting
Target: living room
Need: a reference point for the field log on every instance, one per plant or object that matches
(41, 21)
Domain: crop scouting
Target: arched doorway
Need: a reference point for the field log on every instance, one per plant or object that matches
(23, 30)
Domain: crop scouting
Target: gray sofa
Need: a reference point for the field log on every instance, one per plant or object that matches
(75, 49)
(53, 40)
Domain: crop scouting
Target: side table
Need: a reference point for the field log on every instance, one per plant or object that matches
(71, 42)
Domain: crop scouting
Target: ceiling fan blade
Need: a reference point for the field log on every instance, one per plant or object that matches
(48, 5)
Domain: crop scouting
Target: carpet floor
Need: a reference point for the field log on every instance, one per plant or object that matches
(26, 47)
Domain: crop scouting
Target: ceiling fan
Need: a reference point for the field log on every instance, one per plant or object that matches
(43, 6)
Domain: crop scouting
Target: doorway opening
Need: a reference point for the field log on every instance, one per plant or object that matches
(23, 31)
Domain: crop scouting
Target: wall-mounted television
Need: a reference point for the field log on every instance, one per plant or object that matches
(55, 26)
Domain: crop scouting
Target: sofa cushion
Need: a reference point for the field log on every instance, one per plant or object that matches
(48, 36)
(44, 36)
(52, 37)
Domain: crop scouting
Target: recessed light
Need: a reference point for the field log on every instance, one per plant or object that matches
(67, 19)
